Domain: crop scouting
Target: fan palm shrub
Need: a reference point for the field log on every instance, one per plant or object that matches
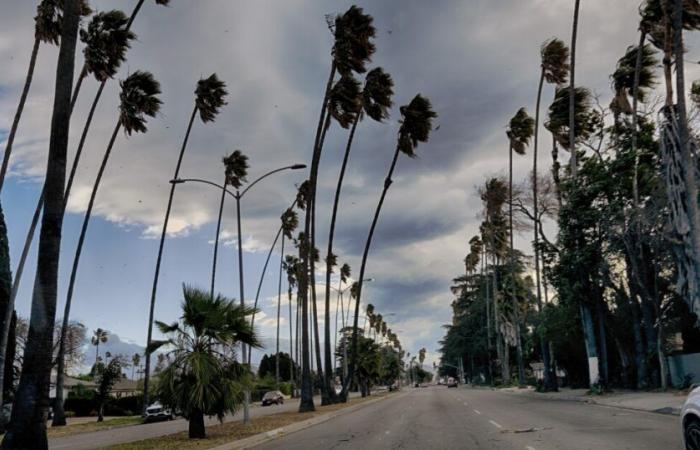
(201, 380)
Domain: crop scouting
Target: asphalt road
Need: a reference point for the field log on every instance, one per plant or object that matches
(442, 418)
(133, 433)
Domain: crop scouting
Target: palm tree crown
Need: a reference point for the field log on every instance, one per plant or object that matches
(623, 78)
(49, 16)
(520, 130)
(106, 42)
(236, 168)
(138, 99)
(290, 222)
(377, 93)
(415, 124)
(585, 119)
(99, 336)
(210, 94)
(353, 47)
(344, 100)
(555, 61)
(344, 273)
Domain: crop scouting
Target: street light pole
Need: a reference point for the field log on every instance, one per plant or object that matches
(238, 195)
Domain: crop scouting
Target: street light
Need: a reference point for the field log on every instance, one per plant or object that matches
(238, 195)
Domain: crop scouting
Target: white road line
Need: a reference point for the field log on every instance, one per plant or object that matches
(527, 447)
(477, 411)
(465, 403)
(495, 424)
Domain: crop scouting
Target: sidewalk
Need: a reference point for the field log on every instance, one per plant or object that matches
(659, 402)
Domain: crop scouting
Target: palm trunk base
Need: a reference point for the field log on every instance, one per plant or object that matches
(196, 426)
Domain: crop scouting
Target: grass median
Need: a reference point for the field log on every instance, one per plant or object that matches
(232, 431)
(87, 427)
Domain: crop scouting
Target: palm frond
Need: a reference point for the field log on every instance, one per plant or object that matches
(290, 222)
(554, 55)
(344, 100)
(209, 97)
(106, 42)
(416, 124)
(353, 48)
(520, 129)
(344, 273)
(377, 93)
(236, 165)
(623, 78)
(138, 100)
(584, 119)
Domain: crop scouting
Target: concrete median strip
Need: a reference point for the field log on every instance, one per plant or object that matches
(261, 438)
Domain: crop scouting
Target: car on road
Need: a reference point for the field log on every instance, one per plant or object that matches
(157, 413)
(273, 397)
(690, 420)
(451, 382)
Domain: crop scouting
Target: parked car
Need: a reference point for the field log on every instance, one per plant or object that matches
(451, 382)
(690, 420)
(273, 397)
(157, 413)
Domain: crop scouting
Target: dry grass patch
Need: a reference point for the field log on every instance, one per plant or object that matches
(232, 431)
(87, 427)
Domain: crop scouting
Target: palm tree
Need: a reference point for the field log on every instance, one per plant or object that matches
(291, 267)
(421, 356)
(290, 221)
(99, 336)
(47, 29)
(135, 362)
(554, 69)
(201, 380)
(105, 48)
(519, 132)
(572, 91)
(210, 97)
(353, 33)
(416, 124)
(27, 427)
(138, 100)
(375, 101)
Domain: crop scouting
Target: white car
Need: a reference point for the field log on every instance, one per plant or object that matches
(690, 420)
(156, 412)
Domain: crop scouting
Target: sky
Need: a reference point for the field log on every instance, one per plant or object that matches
(476, 60)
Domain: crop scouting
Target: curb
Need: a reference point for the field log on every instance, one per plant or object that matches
(261, 438)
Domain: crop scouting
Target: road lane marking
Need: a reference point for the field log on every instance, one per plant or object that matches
(495, 424)
(527, 447)
(477, 411)
(465, 403)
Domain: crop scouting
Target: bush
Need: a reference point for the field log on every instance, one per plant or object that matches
(124, 406)
(79, 407)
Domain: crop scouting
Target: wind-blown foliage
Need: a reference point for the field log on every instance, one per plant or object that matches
(106, 42)
(236, 169)
(138, 100)
(209, 97)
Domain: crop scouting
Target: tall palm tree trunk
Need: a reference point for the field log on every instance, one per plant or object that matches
(291, 341)
(216, 238)
(635, 119)
(18, 113)
(71, 283)
(572, 94)
(78, 85)
(159, 258)
(306, 403)
(6, 367)
(331, 233)
(27, 427)
(262, 278)
(279, 311)
(360, 282)
(513, 299)
(544, 344)
(308, 249)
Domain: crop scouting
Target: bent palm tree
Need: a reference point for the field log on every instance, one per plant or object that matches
(138, 100)
(416, 124)
(47, 29)
(201, 380)
(210, 97)
(353, 47)
(27, 427)
(99, 336)
(375, 101)
(519, 132)
(554, 66)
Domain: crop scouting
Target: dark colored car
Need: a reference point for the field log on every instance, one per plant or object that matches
(273, 398)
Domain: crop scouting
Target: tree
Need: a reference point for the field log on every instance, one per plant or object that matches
(554, 66)
(352, 49)
(27, 427)
(47, 29)
(415, 127)
(202, 380)
(138, 100)
(99, 336)
(107, 376)
(520, 130)
(135, 363)
(375, 101)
